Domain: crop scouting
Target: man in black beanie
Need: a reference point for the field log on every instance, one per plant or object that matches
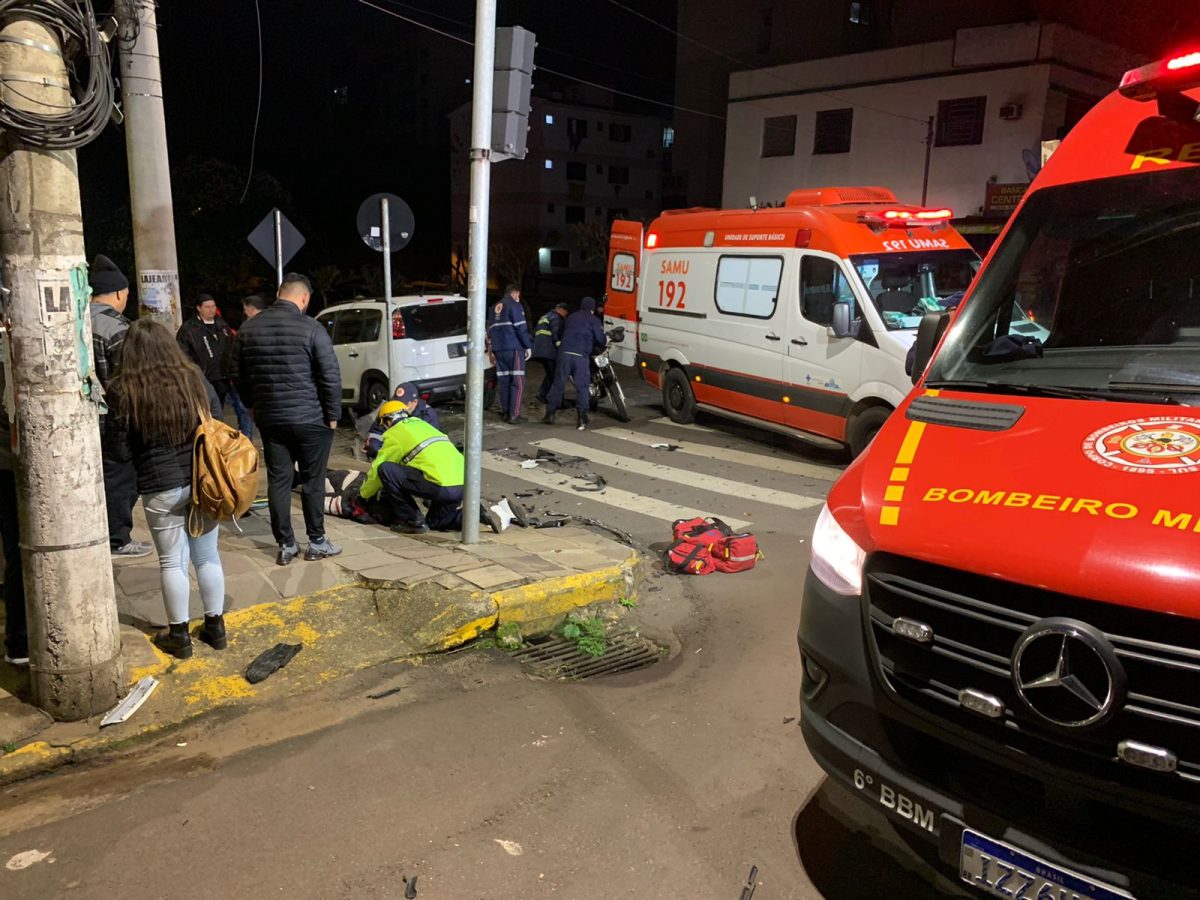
(110, 293)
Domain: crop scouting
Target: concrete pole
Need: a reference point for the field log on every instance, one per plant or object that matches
(278, 249)
(481, 175)
(74, 638)
(149, 170)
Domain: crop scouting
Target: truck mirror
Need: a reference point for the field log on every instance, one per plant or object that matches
(929, 333)
(841, 320)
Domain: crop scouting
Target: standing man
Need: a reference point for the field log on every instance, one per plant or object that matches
(110, 294)
(582, 335)
(207, 341)
(251, 307)
(289, 376)
(546, 338)
(510, 346)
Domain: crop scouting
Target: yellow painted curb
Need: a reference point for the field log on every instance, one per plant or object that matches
(554, 597)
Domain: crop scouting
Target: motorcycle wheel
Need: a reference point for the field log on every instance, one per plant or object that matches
(618, 398)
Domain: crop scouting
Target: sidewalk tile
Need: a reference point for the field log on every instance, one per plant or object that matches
(490, 577)
(248, 589)
(400, 570)
(137, 579)
(577, 560)
(451, 582)
(307, 577)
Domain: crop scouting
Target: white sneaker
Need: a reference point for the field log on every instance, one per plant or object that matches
(19, 661)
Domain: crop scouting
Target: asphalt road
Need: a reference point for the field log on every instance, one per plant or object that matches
(668, 782)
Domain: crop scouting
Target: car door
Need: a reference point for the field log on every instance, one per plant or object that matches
(355, 336)
(821, 369)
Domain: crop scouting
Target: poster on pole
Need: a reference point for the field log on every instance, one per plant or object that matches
(158, 291)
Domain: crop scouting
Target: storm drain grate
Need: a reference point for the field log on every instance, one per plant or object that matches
(561, 658)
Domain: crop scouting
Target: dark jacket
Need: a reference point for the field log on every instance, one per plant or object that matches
(506, 326)
(286, 369)
(108, 337)
(582, 334)
(208, 346)
(160, 466)
(547, 336)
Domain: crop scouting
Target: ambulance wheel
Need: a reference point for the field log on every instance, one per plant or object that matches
(864, 426)
(678, 400)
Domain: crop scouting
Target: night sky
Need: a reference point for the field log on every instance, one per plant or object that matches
(327, 158)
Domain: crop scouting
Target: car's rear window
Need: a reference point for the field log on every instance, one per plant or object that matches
(431, 321)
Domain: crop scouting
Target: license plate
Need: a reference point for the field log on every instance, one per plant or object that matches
(1003, 871)
(457, 351)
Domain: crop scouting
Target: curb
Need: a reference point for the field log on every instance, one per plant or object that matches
(344, 629)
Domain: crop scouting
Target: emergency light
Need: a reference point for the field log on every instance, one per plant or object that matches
(906, 217)
(1167, 76)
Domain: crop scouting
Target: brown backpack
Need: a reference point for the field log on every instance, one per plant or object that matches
(224, 475)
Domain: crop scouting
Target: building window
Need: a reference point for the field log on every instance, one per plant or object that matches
(779, 136)
(599, 169)
(832, 134)
(618, 174)
(577, 131)
(748, 285)
(576, 215)
(549, 164)
(862, 12)
(550, 208)
(560, 259)
(549, 119)
(614, 214)
(960, 122)
(576, 171)
(823, 284)
(622, 134)
(668, 137)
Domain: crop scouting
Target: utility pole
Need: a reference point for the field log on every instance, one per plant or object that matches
(74, 638)
(481, 178)
(928, 158)
(149, 171)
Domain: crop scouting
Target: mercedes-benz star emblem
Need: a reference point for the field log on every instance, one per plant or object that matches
(1067, 673)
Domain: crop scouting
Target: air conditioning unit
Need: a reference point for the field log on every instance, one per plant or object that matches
(1011, 111)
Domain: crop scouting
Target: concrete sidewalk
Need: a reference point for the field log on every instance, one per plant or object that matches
(386, 597)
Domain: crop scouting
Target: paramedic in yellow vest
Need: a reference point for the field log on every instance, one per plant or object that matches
(416, 461)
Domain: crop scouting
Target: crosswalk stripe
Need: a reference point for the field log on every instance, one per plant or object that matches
(611, 496)
(663, 420)
(757, 460)
(682, 476)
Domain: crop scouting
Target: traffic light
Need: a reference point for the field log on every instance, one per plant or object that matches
(510, 92)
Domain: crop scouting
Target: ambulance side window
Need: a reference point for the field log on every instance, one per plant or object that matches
(748, 285)
(822, 284)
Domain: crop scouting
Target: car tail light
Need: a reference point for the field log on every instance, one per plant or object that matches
(397, 326)
(911, 217)
(435, 299)
(1179, 73)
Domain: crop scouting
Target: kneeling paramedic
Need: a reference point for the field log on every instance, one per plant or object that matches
(582, 335)
(416, 461)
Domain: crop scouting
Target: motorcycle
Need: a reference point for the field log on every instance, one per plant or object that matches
(604, 383)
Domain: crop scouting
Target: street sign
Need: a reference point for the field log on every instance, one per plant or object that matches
(262, 239)
(370, 222)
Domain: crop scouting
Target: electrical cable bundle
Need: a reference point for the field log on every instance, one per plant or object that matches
(62, 127)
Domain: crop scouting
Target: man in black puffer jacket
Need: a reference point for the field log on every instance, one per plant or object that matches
(288, 374)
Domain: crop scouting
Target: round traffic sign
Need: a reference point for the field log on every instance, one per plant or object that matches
(370, 222)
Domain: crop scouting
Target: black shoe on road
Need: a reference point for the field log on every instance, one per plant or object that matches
(410, 528)
(175, 641)
(287, 552)
(322, 549)
(548, 418)
(517, 420)
(212, 632)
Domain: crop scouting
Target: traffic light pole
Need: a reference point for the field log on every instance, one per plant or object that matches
(149, 171)
(481, 174)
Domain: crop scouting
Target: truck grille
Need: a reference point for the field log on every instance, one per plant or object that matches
(976, 622)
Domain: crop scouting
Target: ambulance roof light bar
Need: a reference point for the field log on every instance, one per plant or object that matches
(1166, 76)
(906, 217)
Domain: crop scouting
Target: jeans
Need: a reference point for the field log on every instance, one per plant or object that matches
(576, 368)
(166, 514)
(16, 637)
(296, 453)
(548, 366)
(244, 419)
(403, 484)
(120, 491)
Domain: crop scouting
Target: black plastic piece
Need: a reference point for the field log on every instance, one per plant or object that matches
(965, 413)
(270, 661)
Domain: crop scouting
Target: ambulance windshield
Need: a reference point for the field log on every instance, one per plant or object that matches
(1096, 289)
(906, 286)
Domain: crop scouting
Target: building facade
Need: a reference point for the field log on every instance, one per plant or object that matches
(988, 98)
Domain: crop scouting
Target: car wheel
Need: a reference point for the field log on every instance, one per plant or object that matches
(374, 395)
(678, 400)
(864, 426)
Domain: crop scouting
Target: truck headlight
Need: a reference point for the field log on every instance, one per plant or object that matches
(836, 559)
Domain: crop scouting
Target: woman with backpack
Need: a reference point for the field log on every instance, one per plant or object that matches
(159, 396)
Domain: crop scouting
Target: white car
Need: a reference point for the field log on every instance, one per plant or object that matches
(422, 339)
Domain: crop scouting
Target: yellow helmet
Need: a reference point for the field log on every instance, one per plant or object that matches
(392, 412)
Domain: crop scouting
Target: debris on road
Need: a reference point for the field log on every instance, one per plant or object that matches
(132, 702)
(25, 860)
(594, 483)
(410, 888)
(751, 884)
(670, 447)
(788, 720)
(270, 661)
(389, 692)
(512, 848)
(529, 464)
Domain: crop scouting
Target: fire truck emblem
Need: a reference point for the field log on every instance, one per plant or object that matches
(1147, 446)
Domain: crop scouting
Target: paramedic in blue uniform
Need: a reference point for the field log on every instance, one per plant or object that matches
(582, 335)
(545, 346)
(510, 346)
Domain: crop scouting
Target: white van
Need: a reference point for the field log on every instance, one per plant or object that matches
(422, 339)
(797, 318)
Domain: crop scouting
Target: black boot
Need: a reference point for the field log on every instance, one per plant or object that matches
(583, 420)
(548, 418)
(212, 632)
(175, 640)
